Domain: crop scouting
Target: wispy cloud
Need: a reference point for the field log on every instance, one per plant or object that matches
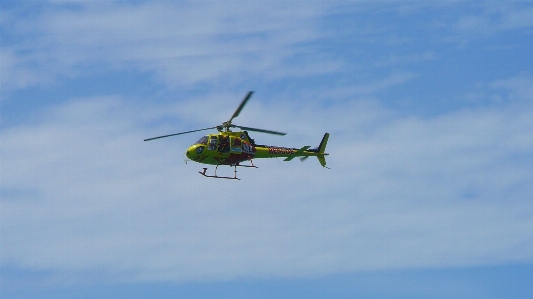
(394, 59)
(183, 43)
(85, 199)
(492, 17)
(437, 192)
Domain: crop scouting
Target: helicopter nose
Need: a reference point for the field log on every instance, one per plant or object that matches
(190, 152)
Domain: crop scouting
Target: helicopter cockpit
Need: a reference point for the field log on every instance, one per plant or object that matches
(202, 140)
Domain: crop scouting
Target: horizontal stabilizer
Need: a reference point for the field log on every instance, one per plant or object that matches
(297, 153)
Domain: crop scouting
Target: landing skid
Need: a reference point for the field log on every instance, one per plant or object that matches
(226, 177)
(219, 177)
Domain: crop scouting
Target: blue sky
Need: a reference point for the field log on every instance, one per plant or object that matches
(429, 107)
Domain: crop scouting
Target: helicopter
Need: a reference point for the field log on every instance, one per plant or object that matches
(232, 148)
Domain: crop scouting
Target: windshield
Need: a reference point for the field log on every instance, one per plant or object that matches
(202, 140)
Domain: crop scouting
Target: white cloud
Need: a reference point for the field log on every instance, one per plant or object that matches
(82, 194)
(17, 72)
(186, 43)
(182, 43)
(84, 198)
(393, 59)
(496, 17)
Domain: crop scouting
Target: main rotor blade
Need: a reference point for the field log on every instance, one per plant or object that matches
(178, 134)
(259, 130)
(243, 103)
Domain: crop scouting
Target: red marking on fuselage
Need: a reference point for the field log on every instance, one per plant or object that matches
(280, 151)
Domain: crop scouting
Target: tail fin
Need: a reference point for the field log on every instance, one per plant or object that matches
(321, 150)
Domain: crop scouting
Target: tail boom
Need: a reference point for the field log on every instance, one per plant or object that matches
(291, 153)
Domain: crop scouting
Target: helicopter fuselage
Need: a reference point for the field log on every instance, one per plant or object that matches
(232, 148)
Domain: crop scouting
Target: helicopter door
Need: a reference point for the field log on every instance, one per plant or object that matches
(236, 145)
(213, 142)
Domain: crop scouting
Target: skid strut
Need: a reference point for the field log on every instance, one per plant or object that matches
(251, 162)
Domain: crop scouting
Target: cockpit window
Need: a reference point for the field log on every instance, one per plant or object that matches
(202, 140)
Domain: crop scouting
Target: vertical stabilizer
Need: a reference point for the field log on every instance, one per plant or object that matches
(322, 150)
